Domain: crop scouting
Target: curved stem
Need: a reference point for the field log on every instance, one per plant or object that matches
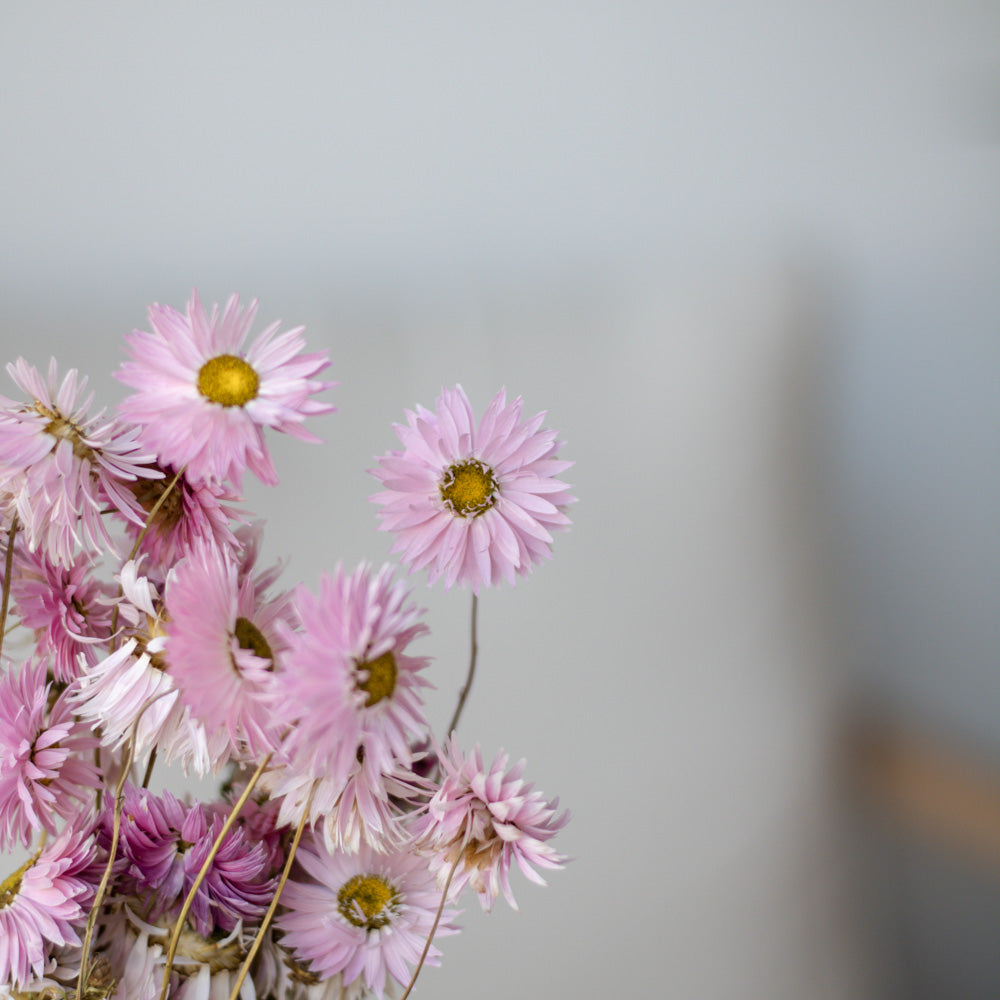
(434, 927)
(8, 566)
(453, 725)
(266, 922)
(196, 885)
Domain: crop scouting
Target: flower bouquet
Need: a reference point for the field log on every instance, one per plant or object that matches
(137, 627)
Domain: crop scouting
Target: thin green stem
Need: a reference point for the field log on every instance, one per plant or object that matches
(434, 927)
(196, 885)
(8, 566)
(266, 922)
(467, 687)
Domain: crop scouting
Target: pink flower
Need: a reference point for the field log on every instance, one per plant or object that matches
(351, 689)
(43, 905)
(46, 759)
(224, 643)
(193, 514)
(69, 609)
(473, 504)
(488, 818)
(203, 402)
(361, 915)
(62, 466)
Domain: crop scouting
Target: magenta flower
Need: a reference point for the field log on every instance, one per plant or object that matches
(203, 401)
(43, 905)
(362, 915)
(69, 609)
(163, 846)
(350, 688)
(488, 818)
(224, 641)
(46, 757)
(472, 504)
(62, 466)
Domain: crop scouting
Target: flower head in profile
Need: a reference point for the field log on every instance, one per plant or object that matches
(223, 642)
(203, 401)
(62, 466)
(485, 819)
(46, 757)
(43, 905)
(473, 503)
(360, 914)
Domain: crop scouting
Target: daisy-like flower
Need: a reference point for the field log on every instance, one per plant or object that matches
(163, 846)
(487, 818)
(363, 915)
(473, 504)
(203, 401)
(224, 641)
(350, 688)
(43, 906)
(62, 466)
(69, 609)
(46, 759)
(193, 514)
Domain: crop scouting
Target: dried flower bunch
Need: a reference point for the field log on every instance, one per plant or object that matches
(343, 834)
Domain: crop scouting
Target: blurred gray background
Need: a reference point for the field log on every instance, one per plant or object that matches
(745, 254)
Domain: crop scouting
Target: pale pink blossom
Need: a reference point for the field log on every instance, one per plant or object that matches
(473, 504)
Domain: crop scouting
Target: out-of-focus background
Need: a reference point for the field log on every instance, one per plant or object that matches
(746, 256)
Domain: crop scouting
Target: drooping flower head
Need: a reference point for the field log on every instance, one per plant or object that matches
(474, 504)
(486, 818)
(46, 757)
(43, 905)
(224, 644)
(363, 915)
(350, 687)
(61, 466)
(203, 402)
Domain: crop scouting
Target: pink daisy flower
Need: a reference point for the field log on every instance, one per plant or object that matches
(193, 514)
(473, 504)
(162, 848)
(69, 609)
(46, 758)
(363, 915)
(350, 689)
(62, 466)
(224, 642)
(203, 401)
(488, 818)
(43, 905)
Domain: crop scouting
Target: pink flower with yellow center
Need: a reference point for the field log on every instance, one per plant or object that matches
(203, 401)
(473, 503)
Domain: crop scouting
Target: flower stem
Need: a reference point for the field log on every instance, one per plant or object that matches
(453, 725)
(434, 927)
(196, 885)
(8, 565)
(266, 922)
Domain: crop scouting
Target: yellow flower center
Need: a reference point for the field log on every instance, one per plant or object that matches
(228, 380)
(381, 681)
(11, 886)
(63, 430)
(364, 900)
(469, 488)
(250, 637)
